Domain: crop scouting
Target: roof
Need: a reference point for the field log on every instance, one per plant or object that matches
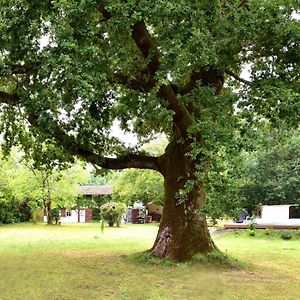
(95, 190)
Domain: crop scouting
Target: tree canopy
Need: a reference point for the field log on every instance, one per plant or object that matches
(142, 64)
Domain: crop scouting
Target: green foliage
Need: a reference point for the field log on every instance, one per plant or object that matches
(146, 258)
(55, 213)
(191, 36)
(112, 212)
(216, 258)
(252, 232)
(24, 187)
(101, 179)
(138, 186)
(36, 210)
(272, 173)
(285, 235)
(13, 211)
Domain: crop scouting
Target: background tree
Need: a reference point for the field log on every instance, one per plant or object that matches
(134, 185)
(138, 186)
(154, 68)
(272, 173)
(23, 183)
(11, 210)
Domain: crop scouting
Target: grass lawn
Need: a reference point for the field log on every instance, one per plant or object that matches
(79, 262)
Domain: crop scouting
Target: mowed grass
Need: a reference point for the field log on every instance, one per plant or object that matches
(79, 262)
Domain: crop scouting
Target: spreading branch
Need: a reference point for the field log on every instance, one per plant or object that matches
(73, 147)
(133, 84)
(144, 80)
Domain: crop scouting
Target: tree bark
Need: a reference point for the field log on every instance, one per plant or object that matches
(183, 229)
(47, 199)
(48, 211)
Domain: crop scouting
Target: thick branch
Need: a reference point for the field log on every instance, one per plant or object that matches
(143, 80)
(21, 69)
(182, 118)
(11, 99)
(237, 77)
(146, 44)
(208, 77)
(149, 50)
(134, 84)
(105, 13)
(131, 161)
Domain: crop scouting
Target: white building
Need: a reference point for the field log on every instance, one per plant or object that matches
(83, 214)
(279, 215)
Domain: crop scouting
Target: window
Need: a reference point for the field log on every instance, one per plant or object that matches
(69, 213)
(294, 212)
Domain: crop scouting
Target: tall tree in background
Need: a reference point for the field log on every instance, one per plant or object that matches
(154, 67)
(272, 173)
(24, 181)
(135, 185)
(46, 163)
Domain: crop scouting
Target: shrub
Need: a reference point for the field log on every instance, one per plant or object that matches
(112, 212)
(13, 211)
(253, 224)
(252, 232)
(55, 213)
(267, 232)
(286, 235)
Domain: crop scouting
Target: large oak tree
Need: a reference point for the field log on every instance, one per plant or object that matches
(70, 68)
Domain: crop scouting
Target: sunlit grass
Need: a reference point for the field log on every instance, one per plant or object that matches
(79, 262)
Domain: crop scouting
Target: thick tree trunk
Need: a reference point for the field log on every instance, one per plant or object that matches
(183, 229)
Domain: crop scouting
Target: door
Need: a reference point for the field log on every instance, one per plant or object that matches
(82, 216)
